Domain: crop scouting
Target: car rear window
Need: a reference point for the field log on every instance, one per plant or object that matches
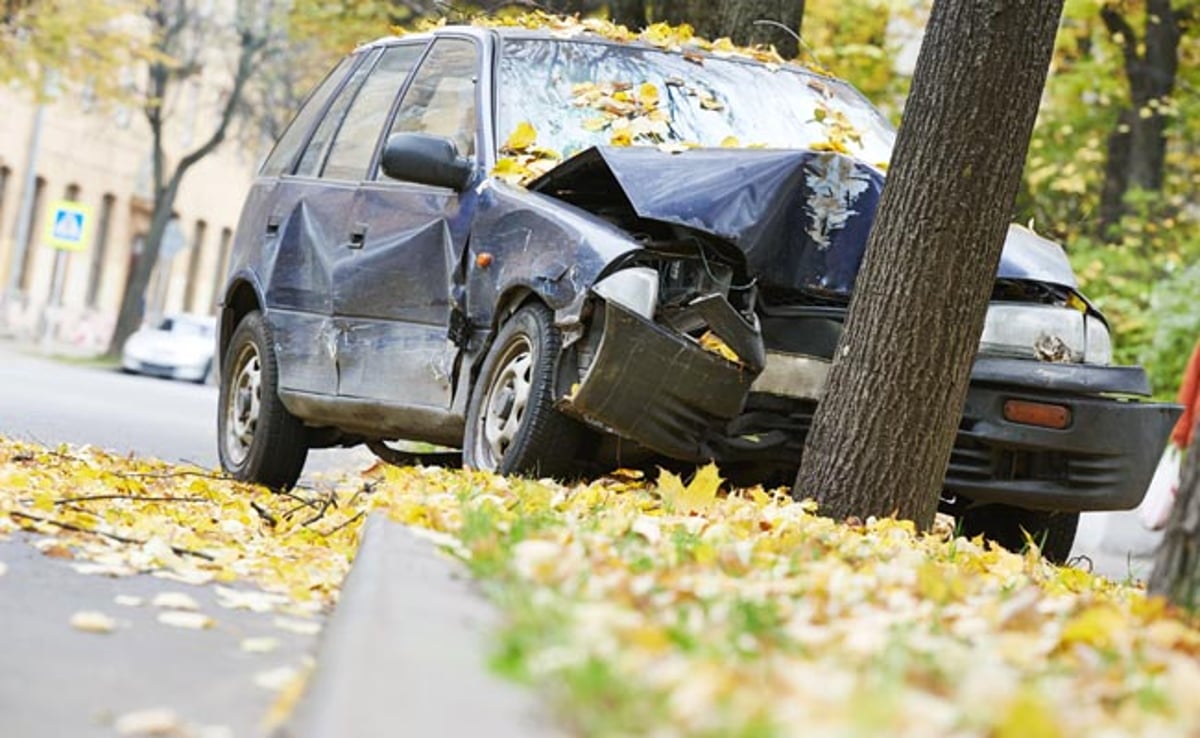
(284, 154)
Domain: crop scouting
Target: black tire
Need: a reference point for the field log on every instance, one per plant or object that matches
(536, 439)
(266, 445)
(1054, 532)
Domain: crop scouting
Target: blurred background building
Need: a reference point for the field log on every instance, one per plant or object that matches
(99, 156)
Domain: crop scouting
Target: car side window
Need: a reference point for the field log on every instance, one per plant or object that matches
(354, 145)
(441, 99)
(318, 145)
(284, 154)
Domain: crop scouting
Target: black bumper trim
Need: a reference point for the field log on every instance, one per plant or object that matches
(1087, 379)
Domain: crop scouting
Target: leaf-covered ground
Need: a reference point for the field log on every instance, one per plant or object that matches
(659, 608)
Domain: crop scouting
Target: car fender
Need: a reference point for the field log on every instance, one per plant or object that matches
(243, 293)
(522, 241)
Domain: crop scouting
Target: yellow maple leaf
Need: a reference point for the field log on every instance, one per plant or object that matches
(648, 95)
(621, 138)
(510, 170)
(1096, 626)
(699, 494)
(1028, 716)
(730, 142)
(522, 138)
(715, 344)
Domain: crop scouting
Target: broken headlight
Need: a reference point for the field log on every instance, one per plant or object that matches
(635, 288)
(1044, 332)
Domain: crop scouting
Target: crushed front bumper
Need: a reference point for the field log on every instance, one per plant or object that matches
(659, 388)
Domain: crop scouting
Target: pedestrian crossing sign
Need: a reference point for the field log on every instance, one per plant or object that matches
(66, 225)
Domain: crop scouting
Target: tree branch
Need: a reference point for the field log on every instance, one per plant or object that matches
(250, 46)
(132, 498)
(179, 550)
(1118, 26)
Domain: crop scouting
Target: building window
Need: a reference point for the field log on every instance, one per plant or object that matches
(100, 250)
(193, 270)
(222, 267)
(31, 238)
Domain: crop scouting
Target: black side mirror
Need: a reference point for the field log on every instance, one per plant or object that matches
(431, 160)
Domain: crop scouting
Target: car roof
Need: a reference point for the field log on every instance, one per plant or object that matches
(582, 36)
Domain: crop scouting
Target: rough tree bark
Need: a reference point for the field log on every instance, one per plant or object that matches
(171, 21)
(1176, 574)
(1137, 145)
(882, 435)
(736, 19)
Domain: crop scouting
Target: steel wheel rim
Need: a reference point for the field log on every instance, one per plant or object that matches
(243, 403)
(505, 404)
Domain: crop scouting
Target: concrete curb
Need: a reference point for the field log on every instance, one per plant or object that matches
(405, 652)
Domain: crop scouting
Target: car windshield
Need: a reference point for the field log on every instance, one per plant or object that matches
(578, 94)
(184, 327)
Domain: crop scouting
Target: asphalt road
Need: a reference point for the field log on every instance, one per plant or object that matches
(56, 681)
(56, 401)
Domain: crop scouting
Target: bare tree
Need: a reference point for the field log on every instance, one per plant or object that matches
(882, 435)
(184, 41)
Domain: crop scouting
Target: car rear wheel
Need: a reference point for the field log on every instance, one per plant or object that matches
(1054, 532)
(258, 439)
(512, 425)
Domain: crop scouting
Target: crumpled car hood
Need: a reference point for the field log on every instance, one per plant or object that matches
(801, 217)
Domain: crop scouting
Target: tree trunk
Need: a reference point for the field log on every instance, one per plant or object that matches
(1176, 574)
(170, 22)
(1138, 143)
(133, 303)
(882, 435)
(631, 13)
(736, 19)
(1116, 172)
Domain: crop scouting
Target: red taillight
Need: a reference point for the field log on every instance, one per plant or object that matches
(1037, 413)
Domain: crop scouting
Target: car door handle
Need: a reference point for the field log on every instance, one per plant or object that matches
(272, 224)
(358, 235)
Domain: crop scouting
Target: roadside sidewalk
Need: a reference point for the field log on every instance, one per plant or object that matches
(405, 653)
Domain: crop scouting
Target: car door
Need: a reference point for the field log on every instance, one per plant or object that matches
(306, 222)
(393, 287)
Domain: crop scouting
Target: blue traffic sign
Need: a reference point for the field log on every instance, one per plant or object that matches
(67, 223)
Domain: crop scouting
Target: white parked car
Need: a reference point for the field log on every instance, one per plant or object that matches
(176, 347)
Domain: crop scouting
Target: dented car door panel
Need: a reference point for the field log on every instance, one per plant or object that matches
(298, 263)
(393, 291)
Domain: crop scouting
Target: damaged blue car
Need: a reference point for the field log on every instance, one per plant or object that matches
(562, 253)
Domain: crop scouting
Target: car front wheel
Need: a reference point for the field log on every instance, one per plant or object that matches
(512, 425)
(258, 439)
(1053, 532)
